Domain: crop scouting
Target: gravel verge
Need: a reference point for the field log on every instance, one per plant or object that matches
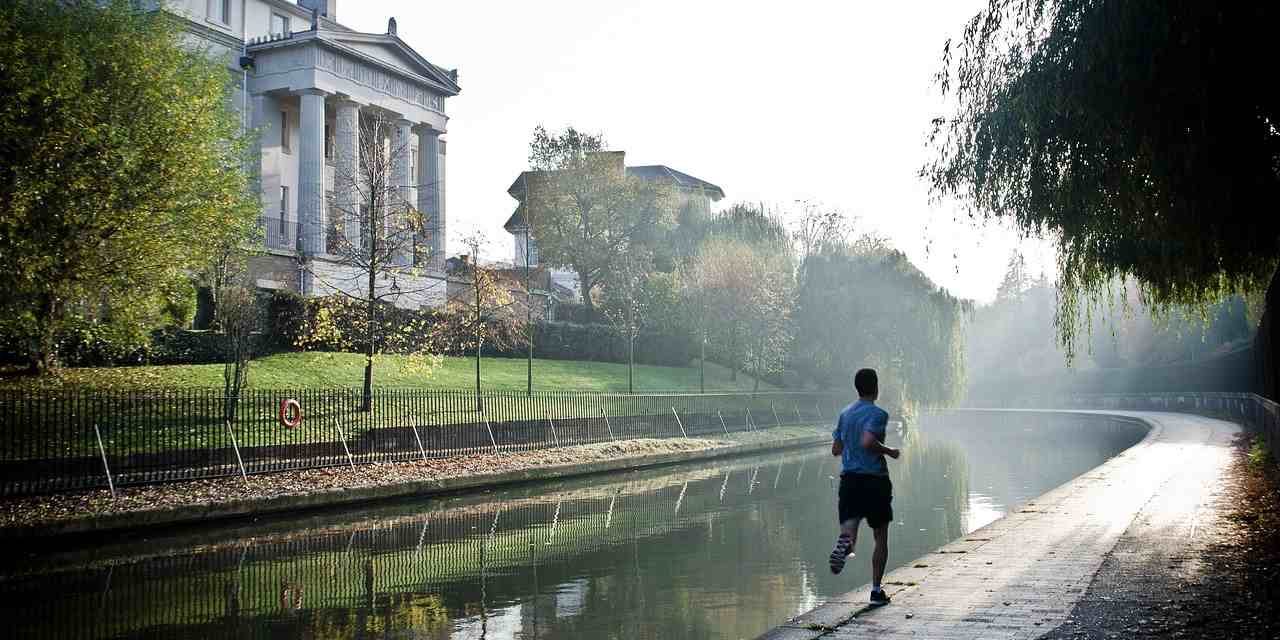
(1221, 581)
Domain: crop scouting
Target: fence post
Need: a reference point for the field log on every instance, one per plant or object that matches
(775, 413)
(421, 449)
(677, 415)
(343, 437)
(750, 427)
(103, 450)
(722, 424)
(236, 446)
(554, 439)
(606, 423)
(492, 440)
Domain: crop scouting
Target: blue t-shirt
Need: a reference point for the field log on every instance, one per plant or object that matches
(853, 421)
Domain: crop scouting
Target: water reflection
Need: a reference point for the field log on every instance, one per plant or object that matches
(721, 549)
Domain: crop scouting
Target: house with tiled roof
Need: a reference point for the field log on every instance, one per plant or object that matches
(695, 196)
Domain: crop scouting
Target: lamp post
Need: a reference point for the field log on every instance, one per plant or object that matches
(528, 302)
(527, 227)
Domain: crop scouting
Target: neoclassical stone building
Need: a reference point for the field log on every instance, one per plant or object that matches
(306, 83)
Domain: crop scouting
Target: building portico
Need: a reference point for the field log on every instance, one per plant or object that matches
(315, 94)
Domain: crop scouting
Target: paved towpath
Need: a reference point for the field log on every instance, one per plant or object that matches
(1021, 576)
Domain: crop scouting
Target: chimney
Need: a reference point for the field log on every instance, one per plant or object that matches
(611, 160)
(327, 8)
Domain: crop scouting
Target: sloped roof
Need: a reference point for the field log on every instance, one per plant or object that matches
(682, 179)
(644, 172)
(515, 221)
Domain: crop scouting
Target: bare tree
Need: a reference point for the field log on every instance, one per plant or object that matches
(818, 229)
(485, 313)
(376, 234)
(743, 292)
(238, 316)
(626, 303)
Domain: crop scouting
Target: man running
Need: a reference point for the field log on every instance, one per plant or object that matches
(865, 490)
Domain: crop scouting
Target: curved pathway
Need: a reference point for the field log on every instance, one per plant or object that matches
(1021, 576)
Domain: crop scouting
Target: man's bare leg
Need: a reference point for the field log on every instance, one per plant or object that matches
(880, 556)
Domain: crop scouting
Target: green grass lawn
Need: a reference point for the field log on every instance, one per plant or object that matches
(328, 370)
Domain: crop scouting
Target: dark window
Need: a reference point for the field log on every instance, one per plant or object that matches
(284, 132)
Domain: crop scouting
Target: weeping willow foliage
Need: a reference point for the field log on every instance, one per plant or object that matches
(1140, 135)
(867, 305)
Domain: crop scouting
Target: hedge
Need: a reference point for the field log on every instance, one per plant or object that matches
(285, 316)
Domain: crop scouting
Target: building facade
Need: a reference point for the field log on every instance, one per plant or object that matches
(310, 87)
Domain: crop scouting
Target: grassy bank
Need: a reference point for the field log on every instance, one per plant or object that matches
(329, 370)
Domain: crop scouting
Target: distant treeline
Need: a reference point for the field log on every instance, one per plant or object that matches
(1013, 349)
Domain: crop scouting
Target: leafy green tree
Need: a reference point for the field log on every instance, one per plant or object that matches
(1136, 133)
(585, 211)
(121, 167)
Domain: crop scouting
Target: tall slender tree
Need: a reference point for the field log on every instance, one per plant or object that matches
(378, 238)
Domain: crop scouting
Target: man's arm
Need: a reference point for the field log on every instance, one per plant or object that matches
(837, 447)
(873, 444)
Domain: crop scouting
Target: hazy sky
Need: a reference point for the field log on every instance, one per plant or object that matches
(775, 102)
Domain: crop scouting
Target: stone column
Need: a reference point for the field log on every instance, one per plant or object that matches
(402, 144)
(346, 168)
(311, 209)
(429, 183)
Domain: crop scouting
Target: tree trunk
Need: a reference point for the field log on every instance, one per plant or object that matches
(476, 283)
(45, 357)
(366, 398)
(631, 365)
(584, 282)
(1267, 342)
(733, 355)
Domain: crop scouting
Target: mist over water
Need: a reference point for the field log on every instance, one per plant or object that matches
(722, 549)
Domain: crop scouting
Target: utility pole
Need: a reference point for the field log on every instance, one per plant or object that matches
(702, 365)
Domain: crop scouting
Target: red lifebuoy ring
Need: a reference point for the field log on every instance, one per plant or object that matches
(290, 413)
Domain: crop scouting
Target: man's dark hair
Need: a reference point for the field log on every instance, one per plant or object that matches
(866, 382)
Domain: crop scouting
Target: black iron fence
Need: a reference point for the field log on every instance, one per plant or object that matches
(67, 440)
(1249, 409)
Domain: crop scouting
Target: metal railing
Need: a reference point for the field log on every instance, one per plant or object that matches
(69, 440)
(1249, 409)
(278, 233)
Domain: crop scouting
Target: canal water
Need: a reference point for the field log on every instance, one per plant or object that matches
(721, 549)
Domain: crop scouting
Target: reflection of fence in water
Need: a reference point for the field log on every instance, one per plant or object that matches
(48, 441)
(447, 553)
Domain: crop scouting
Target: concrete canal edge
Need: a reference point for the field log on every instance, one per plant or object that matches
(1022, 575)
(205, 512)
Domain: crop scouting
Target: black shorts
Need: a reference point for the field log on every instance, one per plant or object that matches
(866, 496)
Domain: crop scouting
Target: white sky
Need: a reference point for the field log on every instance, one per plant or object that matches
(774, 102)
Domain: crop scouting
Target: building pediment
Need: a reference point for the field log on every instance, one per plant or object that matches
(385, 53)
(391, 51)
